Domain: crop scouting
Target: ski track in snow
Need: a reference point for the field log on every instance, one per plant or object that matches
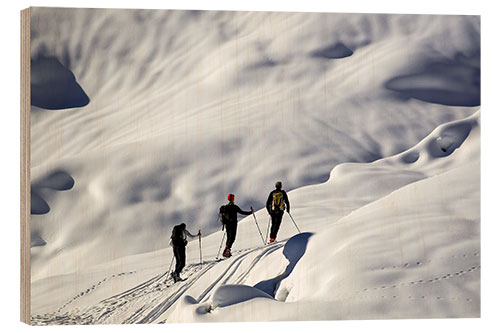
(91, 289)
(161, 293)
(152, 298)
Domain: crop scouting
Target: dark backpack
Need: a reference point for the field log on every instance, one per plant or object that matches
(224, 214)
(178, 236)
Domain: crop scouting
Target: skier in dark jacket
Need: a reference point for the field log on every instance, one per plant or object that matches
(275, 206)
(229, 219)
(178, 240)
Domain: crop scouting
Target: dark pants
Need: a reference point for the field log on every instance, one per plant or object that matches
(231, 234)
(275, 223)
(180, 258)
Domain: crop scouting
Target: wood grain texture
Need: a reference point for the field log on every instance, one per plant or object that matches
(25, 167)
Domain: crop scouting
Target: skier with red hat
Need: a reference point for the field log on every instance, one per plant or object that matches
(228, 217)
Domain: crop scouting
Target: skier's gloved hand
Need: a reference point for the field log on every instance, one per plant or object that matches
(251, 209)
(288, 210)
(199, 232)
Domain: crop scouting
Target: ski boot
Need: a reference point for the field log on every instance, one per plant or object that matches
(226, 253)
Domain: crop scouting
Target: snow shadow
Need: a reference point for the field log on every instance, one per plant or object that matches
(294, 249)
(449, 140)
(336, 51)
(38, 204)
(54, 87)
(150, 187)
(58, 180)
(37, 240)
(410, 157)
(454, 82)
(264, 63)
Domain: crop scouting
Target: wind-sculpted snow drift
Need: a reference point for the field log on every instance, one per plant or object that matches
(377, 150)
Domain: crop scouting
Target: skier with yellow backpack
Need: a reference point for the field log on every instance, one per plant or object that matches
(275, 206)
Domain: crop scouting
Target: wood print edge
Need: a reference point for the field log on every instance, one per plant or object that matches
(25, 167)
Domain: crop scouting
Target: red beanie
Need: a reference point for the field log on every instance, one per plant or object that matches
(230, 197)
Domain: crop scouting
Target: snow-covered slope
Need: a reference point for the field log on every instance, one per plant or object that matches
(168, 111)
(412, 252)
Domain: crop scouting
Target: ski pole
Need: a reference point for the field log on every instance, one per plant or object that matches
(222, 241)
(294, 222)
(263, 241)
(199, 238)
(171, 262)
(268, 224)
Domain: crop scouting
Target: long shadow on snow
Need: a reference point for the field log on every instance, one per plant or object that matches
(294, 250)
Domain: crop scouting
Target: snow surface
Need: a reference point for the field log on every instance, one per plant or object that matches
(372, 122)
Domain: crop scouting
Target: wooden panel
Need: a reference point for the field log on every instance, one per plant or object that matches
(25, 167)
(144, 119)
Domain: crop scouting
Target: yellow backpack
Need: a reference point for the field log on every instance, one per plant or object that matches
(278, 201)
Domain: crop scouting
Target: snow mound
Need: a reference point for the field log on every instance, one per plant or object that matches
(443, 141)
(231, 294)
(401, 256)
(415, 251)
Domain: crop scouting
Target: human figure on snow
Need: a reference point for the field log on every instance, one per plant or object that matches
(178, 240)
(275, 206)
(229, 219)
